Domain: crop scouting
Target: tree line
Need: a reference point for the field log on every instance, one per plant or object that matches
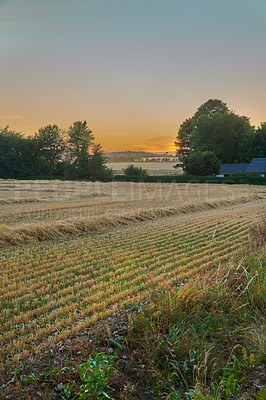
(53, 152)
(214, 135)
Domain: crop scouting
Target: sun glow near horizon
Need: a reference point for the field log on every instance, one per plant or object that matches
(152, 139)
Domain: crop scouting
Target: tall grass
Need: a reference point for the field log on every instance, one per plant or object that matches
(189, 338)
(204, 339)
(257, 234)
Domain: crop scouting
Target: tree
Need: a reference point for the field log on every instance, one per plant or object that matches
(182, 142)
(215, 128)
(49, 147)
(257, 143)
(97, 167)
(49, 153)
(15, 154)
(201, 163)
(208, 109)
(215, 134)
(136, 171)
(211, 107)
(243, 132)
(80, 141)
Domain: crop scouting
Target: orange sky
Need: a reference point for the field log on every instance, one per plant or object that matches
(133, 70)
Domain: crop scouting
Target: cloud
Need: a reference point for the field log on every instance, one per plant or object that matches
(15, 23)
(148, 120)
(159, 138)
(48, 26)
(10, 116)
(30, 6)
(48, 16)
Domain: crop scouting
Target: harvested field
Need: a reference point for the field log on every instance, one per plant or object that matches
(28, 201)
(152, 167)
(67, 263)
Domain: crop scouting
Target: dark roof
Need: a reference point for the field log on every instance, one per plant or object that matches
(257, 165)
(231, 168)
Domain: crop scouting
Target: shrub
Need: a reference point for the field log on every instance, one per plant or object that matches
(131, 170)
(240, 180)
(201, 163)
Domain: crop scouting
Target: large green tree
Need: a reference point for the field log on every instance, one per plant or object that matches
(15, 154)
(208, 109)
(215, 128)
(49, 146)
(257, 143)
(50, 153)
(224, 134)
(211, 107)
(80, 142)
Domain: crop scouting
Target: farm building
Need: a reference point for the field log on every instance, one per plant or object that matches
(257, 165)
(228, 169)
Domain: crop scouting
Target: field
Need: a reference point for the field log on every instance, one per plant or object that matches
(152, 167)
(76, 253)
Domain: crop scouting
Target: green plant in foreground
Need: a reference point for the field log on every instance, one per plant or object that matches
(95, 374)
(260, 396)
(231, 381)
(45, 377)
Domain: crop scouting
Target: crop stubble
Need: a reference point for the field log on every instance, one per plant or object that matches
(52, 290)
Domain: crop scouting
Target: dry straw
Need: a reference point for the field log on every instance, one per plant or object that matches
(38, 232)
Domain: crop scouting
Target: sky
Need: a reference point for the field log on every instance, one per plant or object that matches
(134, 70)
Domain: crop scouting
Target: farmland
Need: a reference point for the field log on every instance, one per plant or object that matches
(74, 253)
(153, 167)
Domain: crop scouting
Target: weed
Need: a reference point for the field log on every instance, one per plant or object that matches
(95, 374)
(260, 396)
(44, 377)
(189, 339)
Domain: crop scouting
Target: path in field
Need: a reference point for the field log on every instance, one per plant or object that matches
(55, 289)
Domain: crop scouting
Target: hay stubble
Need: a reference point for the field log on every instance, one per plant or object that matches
(53, 289)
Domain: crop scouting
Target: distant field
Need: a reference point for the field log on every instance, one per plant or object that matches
(163, 167)
(74, 253)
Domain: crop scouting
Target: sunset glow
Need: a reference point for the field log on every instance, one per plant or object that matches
(133, 70)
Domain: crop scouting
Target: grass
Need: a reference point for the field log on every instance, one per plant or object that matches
(191, 336)
(202, 339)
(160, 286)
(56, 289)
(257, 234)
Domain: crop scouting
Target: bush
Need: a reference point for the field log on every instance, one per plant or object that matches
(201, 163)
(131, 170)
(239, 180)
(97, 168)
